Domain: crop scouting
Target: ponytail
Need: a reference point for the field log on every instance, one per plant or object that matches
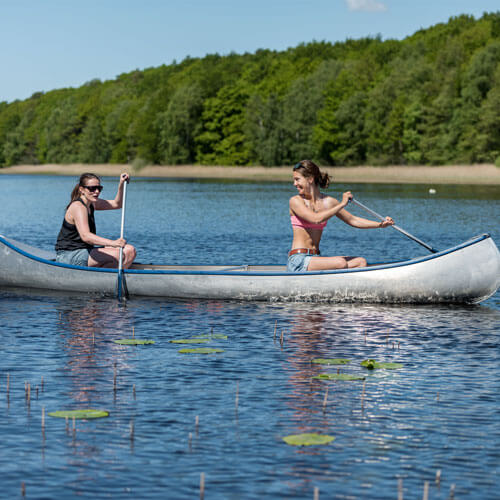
(75, 194)
(309, 169)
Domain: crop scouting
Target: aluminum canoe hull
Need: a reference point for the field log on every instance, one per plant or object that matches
(466, 273)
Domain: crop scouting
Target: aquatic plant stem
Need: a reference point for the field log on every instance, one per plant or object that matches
(202, 485)
(452, 492)
(363, 396)
(426, 491)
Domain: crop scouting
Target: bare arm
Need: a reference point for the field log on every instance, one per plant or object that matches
(298, 207)
(361, 223)
(78, 212)
(117, 202)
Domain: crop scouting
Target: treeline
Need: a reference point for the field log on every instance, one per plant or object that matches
(433, 98)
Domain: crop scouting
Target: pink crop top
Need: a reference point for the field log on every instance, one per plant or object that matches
(298, 222)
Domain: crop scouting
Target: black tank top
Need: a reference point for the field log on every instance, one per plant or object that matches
(69, 238)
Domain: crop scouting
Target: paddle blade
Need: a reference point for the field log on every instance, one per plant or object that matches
(121, 286)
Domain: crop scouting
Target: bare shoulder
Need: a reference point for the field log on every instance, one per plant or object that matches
(329, 201)
(296, 199)
(76, 207)
(75, 211)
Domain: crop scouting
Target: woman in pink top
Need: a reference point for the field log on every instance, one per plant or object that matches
(309, 212)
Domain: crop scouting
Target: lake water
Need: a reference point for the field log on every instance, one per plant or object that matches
(438, 412)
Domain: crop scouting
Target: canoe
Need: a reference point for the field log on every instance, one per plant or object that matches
(467, 273)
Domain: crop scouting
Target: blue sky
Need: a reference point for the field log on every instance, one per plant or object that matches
(49, 44)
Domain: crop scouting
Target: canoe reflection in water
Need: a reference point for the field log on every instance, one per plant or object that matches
(88, 329)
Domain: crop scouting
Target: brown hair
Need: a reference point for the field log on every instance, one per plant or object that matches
(75, 194)
(309, 169)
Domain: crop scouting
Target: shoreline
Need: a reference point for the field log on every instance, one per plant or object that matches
(481, 174)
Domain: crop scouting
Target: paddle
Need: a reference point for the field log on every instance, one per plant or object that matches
(121, 285)
(414, 238)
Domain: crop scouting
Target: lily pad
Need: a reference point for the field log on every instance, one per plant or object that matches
(308, 439)
(86, 414)
(338, 361)
(371, 364)
(195, 340)
(337, 376)
(133, 341)
(200, 350)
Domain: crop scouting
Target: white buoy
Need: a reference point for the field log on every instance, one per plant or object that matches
(432, 191)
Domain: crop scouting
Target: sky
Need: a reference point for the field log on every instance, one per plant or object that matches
(51, 44)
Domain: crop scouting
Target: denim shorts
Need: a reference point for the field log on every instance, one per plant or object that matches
(298, 262)
(78, 257)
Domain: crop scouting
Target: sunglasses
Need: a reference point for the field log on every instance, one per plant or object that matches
(297, 166)
(93, 189)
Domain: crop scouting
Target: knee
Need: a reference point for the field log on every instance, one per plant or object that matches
(130, 251)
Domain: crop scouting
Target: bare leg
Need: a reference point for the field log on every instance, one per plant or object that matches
(325, 263)
(109, 257)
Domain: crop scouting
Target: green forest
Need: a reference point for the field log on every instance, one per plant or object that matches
(430, 99)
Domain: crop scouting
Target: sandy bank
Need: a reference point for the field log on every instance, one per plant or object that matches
(451, 174)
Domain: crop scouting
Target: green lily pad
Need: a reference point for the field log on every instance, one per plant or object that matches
(337, 376)
(195, 340)
(308, 439)
(338, 361)
(133, 341)
(371, 364)
(200, 350)
(86, 414)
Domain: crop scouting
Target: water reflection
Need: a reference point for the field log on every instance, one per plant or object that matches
(402, 425)
(88, 328)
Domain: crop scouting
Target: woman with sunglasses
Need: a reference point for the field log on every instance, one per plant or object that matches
(77, 242)
(309, 212)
